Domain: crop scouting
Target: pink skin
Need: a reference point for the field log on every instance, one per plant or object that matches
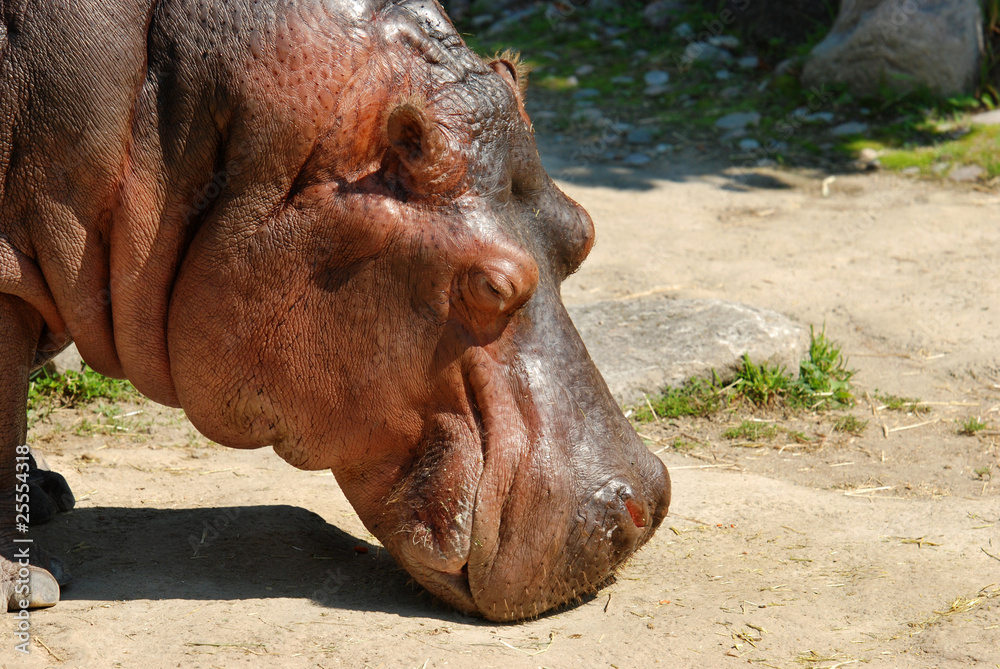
(369, 282)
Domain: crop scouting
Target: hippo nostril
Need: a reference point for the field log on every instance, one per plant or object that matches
(636, 511)
(635, 507)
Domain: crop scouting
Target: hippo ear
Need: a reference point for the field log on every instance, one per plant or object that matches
(424, 149)
(515, 74)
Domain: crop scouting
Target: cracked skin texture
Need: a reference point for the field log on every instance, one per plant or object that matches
(322, 227)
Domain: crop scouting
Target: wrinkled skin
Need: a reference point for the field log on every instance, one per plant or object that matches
(322, 227)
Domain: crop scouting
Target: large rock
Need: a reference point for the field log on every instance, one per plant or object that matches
(644, 345)
(903, 44)
(67, 361)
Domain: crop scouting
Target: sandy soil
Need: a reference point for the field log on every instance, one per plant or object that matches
(880, 549)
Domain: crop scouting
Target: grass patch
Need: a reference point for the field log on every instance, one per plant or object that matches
(899, 403)
(750, 430)
(824, 383)
(697, 397)
(850, 425)
(971, 426)
(49, 392)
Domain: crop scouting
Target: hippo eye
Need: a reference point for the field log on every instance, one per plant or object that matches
(492, 290)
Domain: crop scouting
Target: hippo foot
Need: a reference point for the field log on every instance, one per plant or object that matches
(49, 493)
(25, 584)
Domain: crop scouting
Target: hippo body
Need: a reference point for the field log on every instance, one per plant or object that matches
(320, 226)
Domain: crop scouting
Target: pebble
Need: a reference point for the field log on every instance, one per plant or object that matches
(664, 148)
(572, 81)
(619, 44)
(684, 31)
(637, 159)
(653, 91)
(940, 168)
(586, 93)
(966, 173)
(640, 54)
(725, 42)
(748, 62)
(656, 78)
(749, 144)
(868, 155)
(849, 128)
(620, 127)
(819, 117)
(622, 79)
(639, 136)
(703, 52)
(911, 171)
(584, 70)
(738, 120)
(723, 75)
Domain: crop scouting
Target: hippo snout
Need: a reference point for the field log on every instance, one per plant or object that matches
(629, 513)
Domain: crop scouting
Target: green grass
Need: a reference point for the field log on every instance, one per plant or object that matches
(696, 398)
(824, 383)
(899, 403)
(72, 389)
(850, 425)
(971, 426)
(750, 430)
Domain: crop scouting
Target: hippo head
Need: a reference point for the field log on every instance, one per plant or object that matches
(397, 318)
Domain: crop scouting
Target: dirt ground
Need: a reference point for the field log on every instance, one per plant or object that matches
(880, 549)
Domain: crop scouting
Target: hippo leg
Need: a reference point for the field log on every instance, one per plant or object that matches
(49, 493)
(20, 327)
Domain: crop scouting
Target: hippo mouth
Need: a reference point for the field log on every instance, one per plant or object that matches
(519, 533)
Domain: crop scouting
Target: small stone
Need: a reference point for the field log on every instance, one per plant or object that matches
(639, 136)
(641, 54)
(654, 91)
(738, 133)
(637, 159)
(622, 79)
(767, 162)
(738, 120)
(725, 42)
(730, 92)
(966, 173)
(868, 155)
(683, 31)
(749, 144)
(748, 62)
(911, 171)
(849, 128)
(703, 52)
(584, 70)
(656, 78)
(620, 127)
(723, 75)
(664, 148)
(618, 44)
(819, 117)
(572, 81)
(940, 168)
(586, 93)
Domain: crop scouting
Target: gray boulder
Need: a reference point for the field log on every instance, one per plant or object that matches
(903, 44)
(643, 345)
(67, 361)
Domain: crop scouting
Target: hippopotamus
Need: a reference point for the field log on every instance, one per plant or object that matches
(320, 226)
